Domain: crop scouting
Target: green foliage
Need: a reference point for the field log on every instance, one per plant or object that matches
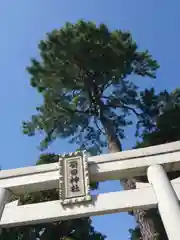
(83, 76)
(135, 233)
(76, 229)
(153, 105)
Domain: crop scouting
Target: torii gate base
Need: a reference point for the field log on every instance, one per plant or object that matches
(153, 161)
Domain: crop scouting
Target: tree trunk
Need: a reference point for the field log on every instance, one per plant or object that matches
(144, 218)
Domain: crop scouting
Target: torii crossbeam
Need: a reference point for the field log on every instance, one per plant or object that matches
(151, 161)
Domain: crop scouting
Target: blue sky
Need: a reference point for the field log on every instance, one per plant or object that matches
(154, 25)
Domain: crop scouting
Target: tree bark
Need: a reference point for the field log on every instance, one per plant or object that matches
(143, 218)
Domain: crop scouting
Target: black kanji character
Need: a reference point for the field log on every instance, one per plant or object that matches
(75, 188)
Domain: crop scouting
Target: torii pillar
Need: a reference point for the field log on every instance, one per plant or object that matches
(168, 203)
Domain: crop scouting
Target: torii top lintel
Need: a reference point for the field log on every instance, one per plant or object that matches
(111, 166)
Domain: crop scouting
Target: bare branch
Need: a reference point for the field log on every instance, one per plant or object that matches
(95, 121)
(123, 106)
(75, 110)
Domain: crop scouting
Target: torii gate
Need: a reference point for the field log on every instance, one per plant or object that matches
(71, 175)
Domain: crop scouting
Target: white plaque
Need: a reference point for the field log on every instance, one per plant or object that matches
(74, 178)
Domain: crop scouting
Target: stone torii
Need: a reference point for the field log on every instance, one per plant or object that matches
(71, 175)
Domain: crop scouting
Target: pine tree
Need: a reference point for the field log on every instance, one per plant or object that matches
(83, 76)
